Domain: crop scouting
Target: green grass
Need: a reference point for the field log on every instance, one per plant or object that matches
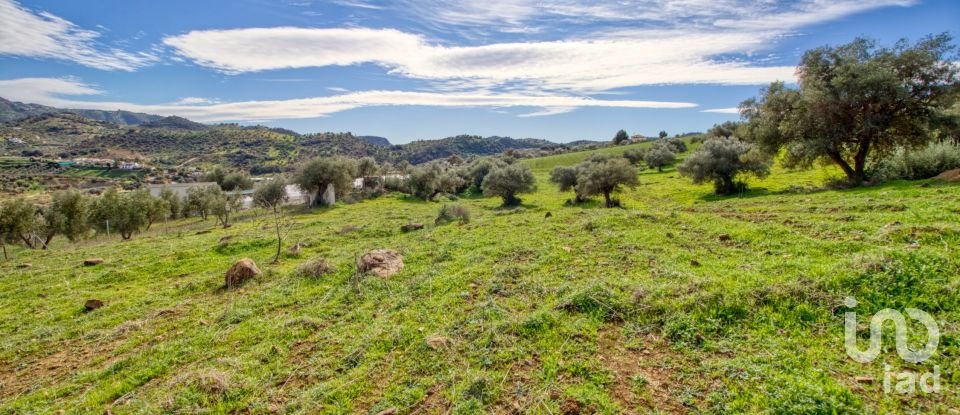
(92, 172)
(631, 310)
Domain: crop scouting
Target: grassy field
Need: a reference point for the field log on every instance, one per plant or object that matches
(681, 302)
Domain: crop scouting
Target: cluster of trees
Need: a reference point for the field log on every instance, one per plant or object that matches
(856, 106)
(75, 215)
(488, 176)
(662, 154)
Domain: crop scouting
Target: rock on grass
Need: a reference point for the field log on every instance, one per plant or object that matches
(241, 271)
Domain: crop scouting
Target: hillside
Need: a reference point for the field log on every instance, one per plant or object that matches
(681, 302)
(169, 141)
(426, 150)
(12, 111)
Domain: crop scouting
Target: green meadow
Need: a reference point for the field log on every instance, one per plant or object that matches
(679, 302)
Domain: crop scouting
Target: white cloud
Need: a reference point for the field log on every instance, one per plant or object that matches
(51, 91)
(616, 60)
(33, 34)
(679, 45)
(733, 110)
(195, 101)
(357, 3)
(505, 15)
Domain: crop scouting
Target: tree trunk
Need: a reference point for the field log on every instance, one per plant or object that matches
(860, 162)
(606, 199)
(28, 241)
(849, 171)
(276, 221)
(49, 239)
(3, 244)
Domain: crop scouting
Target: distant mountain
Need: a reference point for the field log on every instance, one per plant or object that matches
(169, 141)
(12, 111)
(377, 141)
(467, 145)
(174, 122)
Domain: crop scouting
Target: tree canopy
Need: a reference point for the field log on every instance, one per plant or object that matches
(855, 101)
(621, 137)
(314, 176)
(722, 161)
(508, 181)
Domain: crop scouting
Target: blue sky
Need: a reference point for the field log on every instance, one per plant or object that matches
(561, 70)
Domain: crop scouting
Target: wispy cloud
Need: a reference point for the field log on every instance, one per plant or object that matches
(733, 110)
(33, 34)
(56, 92)
(507, 15)
(680, 44)
(615, 60)
(358, 4)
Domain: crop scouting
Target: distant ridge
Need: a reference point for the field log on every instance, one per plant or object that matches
(12, 111)
(375, 140)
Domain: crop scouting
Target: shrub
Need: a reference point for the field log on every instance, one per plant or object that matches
(918, 164)
(596, 301)
(450, 213)
(236, 181)
(508, 181)
(635, 155)
(660, 156)
(315, 268)
(677, 145)
(431, 179)
(723, 160)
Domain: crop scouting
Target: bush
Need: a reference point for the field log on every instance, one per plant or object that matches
(450, 213)
(723, 160)
(315, 268)
(918, 164)
(660, 156)
(635, 155)
(508, 181)
(431, 179)
(677, 145)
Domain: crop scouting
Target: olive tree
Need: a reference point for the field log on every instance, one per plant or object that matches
(565, 177)
(200, 200)
(635, 155)
(600, 175)
(67, 214)
(677, 145)
(223, 206)
(855, 102)
(660, 156)
(236, 181)
(271, 196)
(124, 213)
(723, 161)
(318, 174)
(18, 219)
(429, 179)
(173, 202)
(508, 181)
(22, 221)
